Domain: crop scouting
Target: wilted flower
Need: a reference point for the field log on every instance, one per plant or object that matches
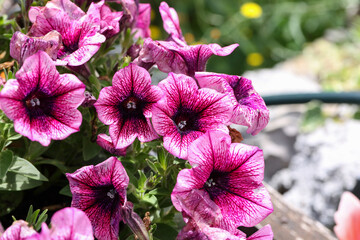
(127, 106)
(19, 230)
(187, 112)
(79, 31)
(109, 20)
(23, 46)
(347, 217)
(41, 102)
(134, 221)
(249, 108)
(100, 191)
(169, 56)
(228, 174)
(106, 143)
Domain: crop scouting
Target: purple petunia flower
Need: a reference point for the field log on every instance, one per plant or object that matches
(100, 191)
(19, 230)
(68, 223)
(41, 102)
(106, 143)
(230, 175)
(187, 112)
(127, 106)
(249, 108)
(23, 46)
(79, 31)
(171, 57)
(109, 21)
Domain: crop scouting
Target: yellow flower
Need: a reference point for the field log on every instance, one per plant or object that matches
(215, 33)
(254, 59)
(189, 37)
(251, 10)
(155, 32)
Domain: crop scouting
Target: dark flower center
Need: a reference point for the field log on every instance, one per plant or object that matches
(132, 107)
(186, 120)
(108, 198)
(38, 104)
(216, 184)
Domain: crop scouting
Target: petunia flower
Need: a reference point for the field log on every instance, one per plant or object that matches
(19, 230)
(204, 220)
(187, 112)
(228, 174)
(249, 108)
(68, 223)
(109, 20)
(106, 143)
(79, 31)
(41, 102)
(127, 106)
(169, 56)
(171, 22)
(23, 46)
(100, 191)
(347, 217)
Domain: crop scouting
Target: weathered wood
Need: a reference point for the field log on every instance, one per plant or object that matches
(290, 224)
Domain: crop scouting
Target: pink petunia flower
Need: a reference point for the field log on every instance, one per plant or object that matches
(174, 55)
(127, 106)
(228, 174)
(141, 28)
(109, 20)
(23, 46)
(169, 56)
(106, 143)
(187, 112)
(19, 230)
(204, 220)
(347, 217)
(100, 191)
(79, 31)
(249, 108)
(68, 223)
(41, 102)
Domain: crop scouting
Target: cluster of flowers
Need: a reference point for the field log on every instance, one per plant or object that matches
(190, 109)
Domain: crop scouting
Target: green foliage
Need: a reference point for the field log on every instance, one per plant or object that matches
(34, 219)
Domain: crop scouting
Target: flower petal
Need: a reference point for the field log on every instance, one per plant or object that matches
(170, 21)
(347, 217)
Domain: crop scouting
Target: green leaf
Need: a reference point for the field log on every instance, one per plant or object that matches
(35, 150)
(66, 191)
(25, 168)
(6, 159)
(95, 82)
(142, 180)
(165, 231)
(16, 182)
(30, 212)
(90, 149)
(60, 165)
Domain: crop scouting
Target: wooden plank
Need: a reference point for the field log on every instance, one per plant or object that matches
(290, 224)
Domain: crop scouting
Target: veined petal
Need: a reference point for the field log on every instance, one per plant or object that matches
(265, 233)
(22, 46)
(100, 191)
(106, 143)
(143, 21)
(19, 230)
(70, 8)
(71, 223)
(170, 21)
(82, 55)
